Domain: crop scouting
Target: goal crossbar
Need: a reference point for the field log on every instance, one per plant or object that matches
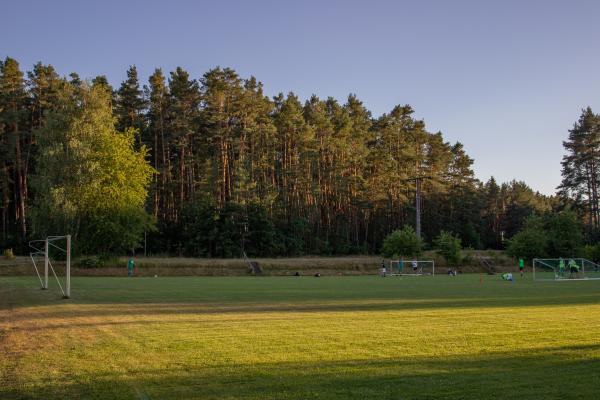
(405, 267)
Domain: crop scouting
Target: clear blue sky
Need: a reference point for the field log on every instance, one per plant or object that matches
(505, 78)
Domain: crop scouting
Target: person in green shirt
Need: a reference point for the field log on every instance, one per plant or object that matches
(573, 269)
(561, 267)
(130, 267)
(521, 266)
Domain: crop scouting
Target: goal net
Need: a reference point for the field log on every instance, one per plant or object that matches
(41, 252)
(412, 267)
(565, 269)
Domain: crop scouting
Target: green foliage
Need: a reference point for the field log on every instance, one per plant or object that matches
(14, 159)
(467, 259)
(565, 234)
(119, 231)
(552, 235)
(90, 180)
(329, 177)
(580, 171)
(470, 237)
(261, 238)
(208, 231)
(295, 236)
(528, 244)
(91, 262)
(402, 243)
(590, 252)
(448, 246)
(8, 254)
(130, 103)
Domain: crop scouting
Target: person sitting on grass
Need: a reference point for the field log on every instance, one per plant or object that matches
(507, 276)
(573, 269)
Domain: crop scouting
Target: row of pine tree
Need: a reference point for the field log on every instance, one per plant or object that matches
(237, 169)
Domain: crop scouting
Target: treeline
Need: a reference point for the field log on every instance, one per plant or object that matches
(232, 169)
(581, 170)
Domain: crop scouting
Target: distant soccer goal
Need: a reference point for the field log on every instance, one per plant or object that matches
(564, 269)
(412, 267)
(41, 252)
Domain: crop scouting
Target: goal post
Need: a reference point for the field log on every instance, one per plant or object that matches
(40, 249)
(564, 269)
(412, 267)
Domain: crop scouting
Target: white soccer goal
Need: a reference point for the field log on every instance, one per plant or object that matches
(40, 250)
(559, 269)
(412, 267)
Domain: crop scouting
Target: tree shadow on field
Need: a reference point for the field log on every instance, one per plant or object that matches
(550, 373)
(149, 310)
(147, 297)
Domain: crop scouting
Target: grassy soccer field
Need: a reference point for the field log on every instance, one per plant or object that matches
(299, 338)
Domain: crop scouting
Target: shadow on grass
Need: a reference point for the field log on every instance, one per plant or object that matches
(310, 304)
(550, 373)
(150, 310)
(116, 297)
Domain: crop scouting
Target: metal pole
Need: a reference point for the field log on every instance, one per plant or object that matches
(418, 207)
(45, 286)
(68, 288)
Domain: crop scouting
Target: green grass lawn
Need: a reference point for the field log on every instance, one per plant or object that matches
(300, 338)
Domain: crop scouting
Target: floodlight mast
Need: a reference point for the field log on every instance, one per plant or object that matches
(418, 207)
(418, 180)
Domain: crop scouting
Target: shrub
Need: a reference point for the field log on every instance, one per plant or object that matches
(209, 231)
(448, 245)
(8, 254)
(528, 243)
(553, 235)
(565, 234)
(91, 262)
(470, 237)
(590, 252)
(402, 242)
(468, 259)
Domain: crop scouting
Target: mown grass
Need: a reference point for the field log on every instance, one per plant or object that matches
(300, 338)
